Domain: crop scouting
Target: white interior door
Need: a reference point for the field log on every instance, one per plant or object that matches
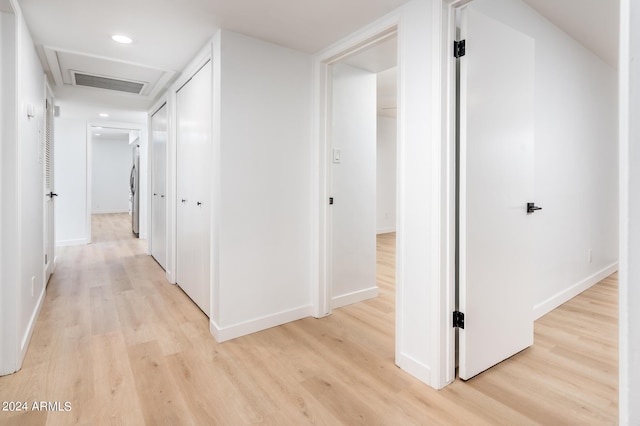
(194, 158)
(159, 186)
(49, 224)
(496, 182)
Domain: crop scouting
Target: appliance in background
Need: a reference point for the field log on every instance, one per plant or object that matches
(134, 193)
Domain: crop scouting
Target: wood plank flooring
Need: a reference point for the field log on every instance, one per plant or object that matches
(124, 347)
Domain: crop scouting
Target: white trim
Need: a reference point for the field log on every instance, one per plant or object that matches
(109, 211)
(76, 242)
(222, 334)
(355, 297)
(194, 66)
(444, 184)
(415, 368)
(215, 49)
(385, 230)
(24, 344)
(567, 294)
(625, 361)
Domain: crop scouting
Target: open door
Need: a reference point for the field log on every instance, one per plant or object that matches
(496, 183)
(49, 191)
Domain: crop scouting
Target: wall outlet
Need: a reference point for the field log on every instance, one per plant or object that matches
(33, 285)
(589, 256)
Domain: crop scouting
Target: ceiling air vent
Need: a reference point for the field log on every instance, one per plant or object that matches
(89, 80)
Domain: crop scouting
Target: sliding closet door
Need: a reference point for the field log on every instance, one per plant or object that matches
(159, 186)
(194, 121)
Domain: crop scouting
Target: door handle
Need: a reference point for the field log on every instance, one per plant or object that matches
(199, 203)
(51, 195)
(531, 207)
(184, 201)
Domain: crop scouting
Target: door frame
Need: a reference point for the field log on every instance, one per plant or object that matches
(89, 167)
(447, 350)
(200, 60)
(322, 178)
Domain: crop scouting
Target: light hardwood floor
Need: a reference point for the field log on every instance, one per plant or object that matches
(125, 347)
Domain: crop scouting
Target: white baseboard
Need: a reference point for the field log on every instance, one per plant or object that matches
(355, 297)
(414, 367)
(67, 243)
(222, 334)
(385, 230)
(24, 344)
(108, 211)
(565, 295)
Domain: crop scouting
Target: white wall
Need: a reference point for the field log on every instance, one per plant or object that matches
(70, 166)
(353, 215)
(261, 123)
(30, 131)
(8, 213)
(70, 177)
(576, 156)
(386, 175)
(419, 254)
(23, 193)
(112, 161)
(629, 334)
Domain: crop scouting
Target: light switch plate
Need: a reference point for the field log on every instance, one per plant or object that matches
(337, 155)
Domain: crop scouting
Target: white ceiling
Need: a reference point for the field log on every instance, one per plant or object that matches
(382, 59)
(593, 23)
(109, 133)
(168, 33)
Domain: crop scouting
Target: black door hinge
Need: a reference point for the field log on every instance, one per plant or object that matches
(330, 201)
(459, 48)
(458, 319)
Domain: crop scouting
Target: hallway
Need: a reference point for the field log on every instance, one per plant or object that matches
(123, 346)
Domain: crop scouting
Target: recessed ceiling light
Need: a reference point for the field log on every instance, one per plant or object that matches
(96, 134)
(121, 38)
(103, 114)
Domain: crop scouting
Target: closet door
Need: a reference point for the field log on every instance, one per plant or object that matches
(194, 121)
(159, 186)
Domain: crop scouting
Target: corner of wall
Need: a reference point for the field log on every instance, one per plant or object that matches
(222, 334)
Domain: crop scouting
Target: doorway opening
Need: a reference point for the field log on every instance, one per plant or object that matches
(114, 176)
(358, 176)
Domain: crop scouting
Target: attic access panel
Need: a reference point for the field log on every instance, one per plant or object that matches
(122, 77)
